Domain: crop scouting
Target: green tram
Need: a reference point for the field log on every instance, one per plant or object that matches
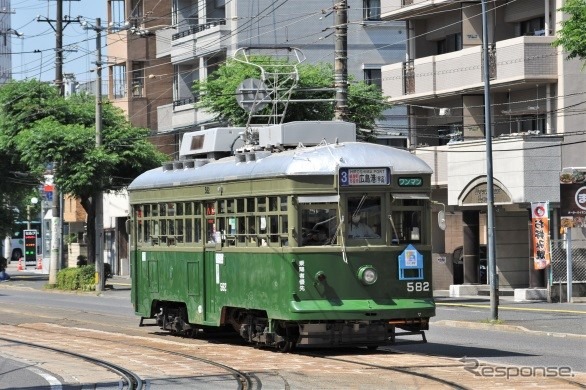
(324, 245)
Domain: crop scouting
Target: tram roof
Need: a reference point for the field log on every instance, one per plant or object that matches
(304, 161)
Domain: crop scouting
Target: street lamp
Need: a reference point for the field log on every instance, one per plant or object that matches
(34, 201)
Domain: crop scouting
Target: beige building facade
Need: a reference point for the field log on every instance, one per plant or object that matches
(536, 129)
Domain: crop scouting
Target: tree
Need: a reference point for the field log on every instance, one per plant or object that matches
(43, 127)
(217, 94)
(571, 35)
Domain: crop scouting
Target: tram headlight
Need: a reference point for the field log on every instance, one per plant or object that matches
(367, 275)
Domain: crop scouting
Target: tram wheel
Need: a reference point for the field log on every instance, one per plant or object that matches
(286, 346)
(372, 347)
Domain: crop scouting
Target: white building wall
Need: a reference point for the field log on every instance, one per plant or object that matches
(115, 205)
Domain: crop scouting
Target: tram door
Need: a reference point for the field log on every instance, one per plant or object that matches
(209, 282)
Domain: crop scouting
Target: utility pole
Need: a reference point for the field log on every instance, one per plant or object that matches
(56, 220)
(56, 223)
(341, 61)
(99, 196)
(491, 248)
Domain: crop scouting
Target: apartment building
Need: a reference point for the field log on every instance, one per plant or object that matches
(156, 50)
(536, 116)
(138, 81)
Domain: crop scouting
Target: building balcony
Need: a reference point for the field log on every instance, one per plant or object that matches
(199, 41)
(181, 114)
(404, 9)
(513, 62)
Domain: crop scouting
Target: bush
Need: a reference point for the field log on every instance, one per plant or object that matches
(82, 278)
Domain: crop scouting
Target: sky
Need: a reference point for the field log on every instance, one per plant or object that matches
(34, 54)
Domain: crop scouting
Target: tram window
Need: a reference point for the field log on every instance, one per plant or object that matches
(211, 231)
(283, 203)
(147, 210)
(261, 204)
(319, 225)
(240, 230)
(179, 209)
(171, 209)
(188, 208)
(154, 237)
(240, 206)
(197, 231)
(284, 230)
(364, 219)
(221, 207)
(163, 235)
(210, 208)
(154, 210)
(162, 209)
(251, 230)
(273, 203)
(250, 205)
(406, 217)
(274, 228)
(147, 232)
(139, 230)
(171, 227)
(230, 205)
(189, 230)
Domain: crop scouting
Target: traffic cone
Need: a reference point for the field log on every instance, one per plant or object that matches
(40, 263)
(19, 267)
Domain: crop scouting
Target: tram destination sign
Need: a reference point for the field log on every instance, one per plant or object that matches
(365, 177)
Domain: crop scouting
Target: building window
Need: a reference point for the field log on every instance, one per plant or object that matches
(135, 18)
(119, 81)
(373, 77)
(447, 134)
(371, 9)
(535, 26)
(449, 44)
(117, 14)
(527, 123)
(137, 79)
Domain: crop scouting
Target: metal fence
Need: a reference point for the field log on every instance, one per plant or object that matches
(559, 263)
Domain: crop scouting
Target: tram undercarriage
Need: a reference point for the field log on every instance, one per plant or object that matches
(255, 328)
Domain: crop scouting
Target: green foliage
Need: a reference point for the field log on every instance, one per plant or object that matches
(82, 278)
(37, 127)
(571, 35)
(218, 94)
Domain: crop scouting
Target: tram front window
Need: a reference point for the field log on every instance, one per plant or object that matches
(319, 225)
(364, 219)
(406, 219)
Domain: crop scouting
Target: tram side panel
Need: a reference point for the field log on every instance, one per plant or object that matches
(250, 279)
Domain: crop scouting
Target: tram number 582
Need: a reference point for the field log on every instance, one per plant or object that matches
(417, 286)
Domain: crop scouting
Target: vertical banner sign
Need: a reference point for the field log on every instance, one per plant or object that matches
(540, 234)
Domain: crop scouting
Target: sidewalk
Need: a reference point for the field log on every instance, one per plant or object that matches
(35, 279)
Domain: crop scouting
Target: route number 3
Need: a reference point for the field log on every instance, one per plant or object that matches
(417, 286)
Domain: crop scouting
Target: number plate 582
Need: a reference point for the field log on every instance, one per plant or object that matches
(417, 286)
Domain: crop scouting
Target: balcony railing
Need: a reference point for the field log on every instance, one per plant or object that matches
(516, 60)
(199, 28)
(184, 101)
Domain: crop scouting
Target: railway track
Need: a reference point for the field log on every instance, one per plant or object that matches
(245, 367)
(133, 381)
(128, 379)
